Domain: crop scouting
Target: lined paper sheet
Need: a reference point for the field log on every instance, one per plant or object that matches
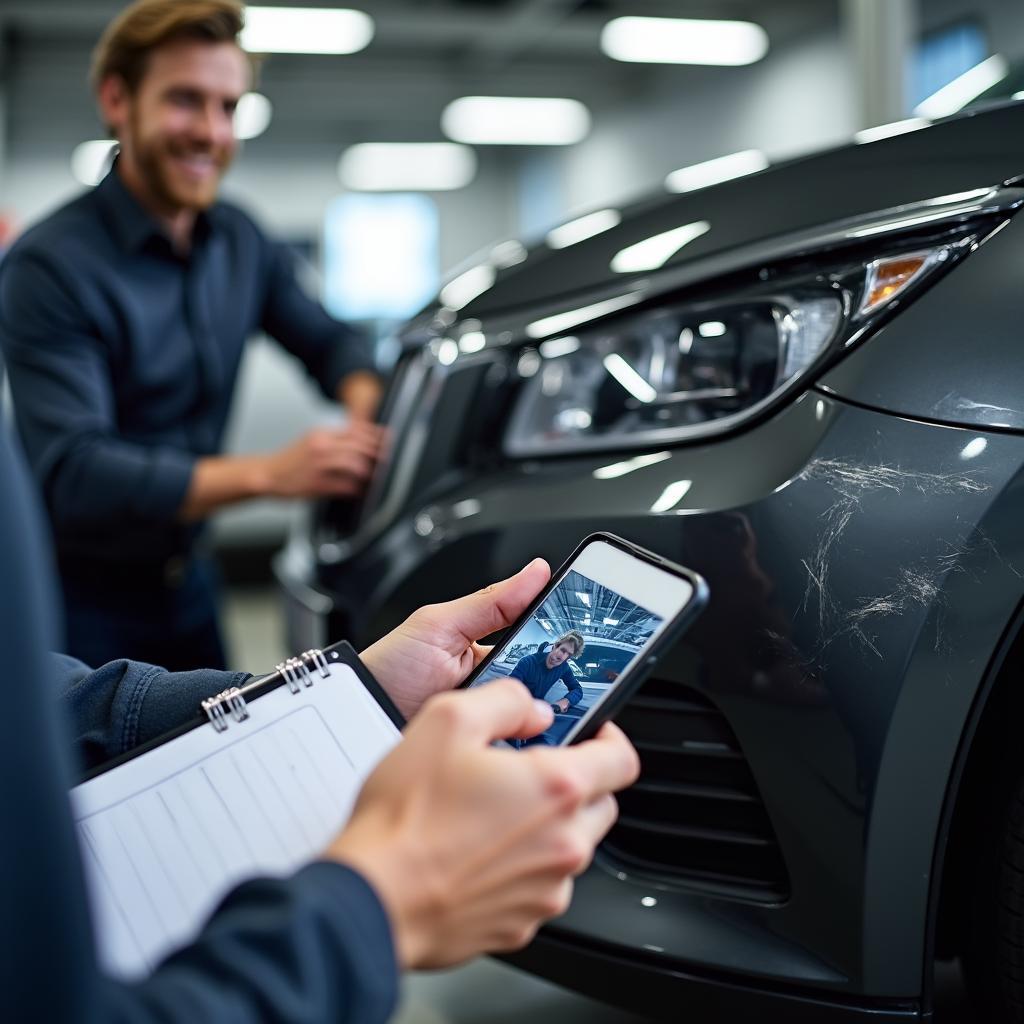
(166, 835)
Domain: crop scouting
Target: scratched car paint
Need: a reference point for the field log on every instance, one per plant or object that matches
(830, 754)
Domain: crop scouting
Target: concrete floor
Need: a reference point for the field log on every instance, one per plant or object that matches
(484, 992)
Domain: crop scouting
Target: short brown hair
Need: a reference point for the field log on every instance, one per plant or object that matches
(125, 46)
(575, 638)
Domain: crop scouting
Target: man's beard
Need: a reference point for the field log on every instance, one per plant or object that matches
(166, 187)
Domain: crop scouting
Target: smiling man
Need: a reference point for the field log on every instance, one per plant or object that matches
(123, 319)
(540, 671)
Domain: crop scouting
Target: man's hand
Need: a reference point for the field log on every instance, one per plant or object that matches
(563, 704)
(471, 847)
(360, 393)
(436, 647)
(324, 463)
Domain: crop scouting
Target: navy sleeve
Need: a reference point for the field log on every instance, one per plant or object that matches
(125, 703)
(330, 349)
(572, 684)
(61, 377)
(522, 670)
(308, 949)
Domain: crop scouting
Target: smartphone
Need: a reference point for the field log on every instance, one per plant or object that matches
(592, 636)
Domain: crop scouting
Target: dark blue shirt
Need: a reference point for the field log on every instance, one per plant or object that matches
(533, 671)
(123, 358)
(312, 947)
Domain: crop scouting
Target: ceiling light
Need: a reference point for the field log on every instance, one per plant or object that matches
(611, 622)
(447, 352)
(518, 121)
(582, 228)
(887, 131)
(1017, 96)
(305, 30)
(585, 598)
(684, 41)
(971, 84)
(407, 167)
(474, 341)
(654, 252)
(91, 160)
(252, 115)
(713, 172)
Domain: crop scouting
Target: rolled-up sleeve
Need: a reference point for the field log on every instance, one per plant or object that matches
(61, 379)
(330, 349)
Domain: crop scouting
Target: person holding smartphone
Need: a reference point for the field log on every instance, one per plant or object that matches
(540, 671)
(400, 886)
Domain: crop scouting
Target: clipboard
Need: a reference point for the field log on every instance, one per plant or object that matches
(255, 785)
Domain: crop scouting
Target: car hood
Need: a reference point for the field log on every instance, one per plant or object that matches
(980, 148)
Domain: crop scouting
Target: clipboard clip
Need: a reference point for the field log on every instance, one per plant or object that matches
(227, 704)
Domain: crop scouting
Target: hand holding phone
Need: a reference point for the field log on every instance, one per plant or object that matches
(590, 638)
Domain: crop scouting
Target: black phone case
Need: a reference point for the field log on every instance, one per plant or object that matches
(620, 697)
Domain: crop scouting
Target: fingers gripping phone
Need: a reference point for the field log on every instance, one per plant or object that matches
(589, 640)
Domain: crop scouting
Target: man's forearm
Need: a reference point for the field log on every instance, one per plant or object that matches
(220, 480)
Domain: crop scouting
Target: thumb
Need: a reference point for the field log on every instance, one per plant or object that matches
(499, 710)
(498, 605)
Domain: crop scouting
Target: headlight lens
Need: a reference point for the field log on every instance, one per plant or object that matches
(668, 373)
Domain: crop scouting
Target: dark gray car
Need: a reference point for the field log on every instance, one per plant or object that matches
(807, 385)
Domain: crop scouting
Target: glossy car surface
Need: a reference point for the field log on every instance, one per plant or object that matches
(811, 825)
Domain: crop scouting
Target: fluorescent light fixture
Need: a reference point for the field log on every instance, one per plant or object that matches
(585, 598)
(639, 388)
(611, 622)
(887, 131)
(971, 84)
(466, 287)
(712, 329)
(712, 172)
(305, 30)
(516, 121)
(545, 624)
(617, 469)
(686, 340)
(653, 253)
(672, 495)
(574, 317)
(473, 341)
(684, 41)
(583, 228)
(407, 167)
(1017, 96)
(559, 347)
(91, 160)
(252, 115)
(466, 508)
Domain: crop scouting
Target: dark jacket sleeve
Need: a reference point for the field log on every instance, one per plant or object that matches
(329, 348)
(522, 670)
(572, 684)
(126, 703)
(315, 947)
(61, 375)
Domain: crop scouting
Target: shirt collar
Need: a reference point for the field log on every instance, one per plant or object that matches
(132, 224)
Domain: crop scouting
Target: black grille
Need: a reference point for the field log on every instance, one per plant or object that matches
(695, 815)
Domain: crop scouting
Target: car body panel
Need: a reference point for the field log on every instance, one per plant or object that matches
(935, 360)
(862, 545)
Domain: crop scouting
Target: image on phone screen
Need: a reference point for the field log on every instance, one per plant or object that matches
(586, 634)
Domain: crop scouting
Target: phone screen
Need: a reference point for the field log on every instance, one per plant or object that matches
(587, 633)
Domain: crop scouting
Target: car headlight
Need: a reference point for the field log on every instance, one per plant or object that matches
(701, 367)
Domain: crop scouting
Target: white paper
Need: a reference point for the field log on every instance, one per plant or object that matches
(167, 834)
